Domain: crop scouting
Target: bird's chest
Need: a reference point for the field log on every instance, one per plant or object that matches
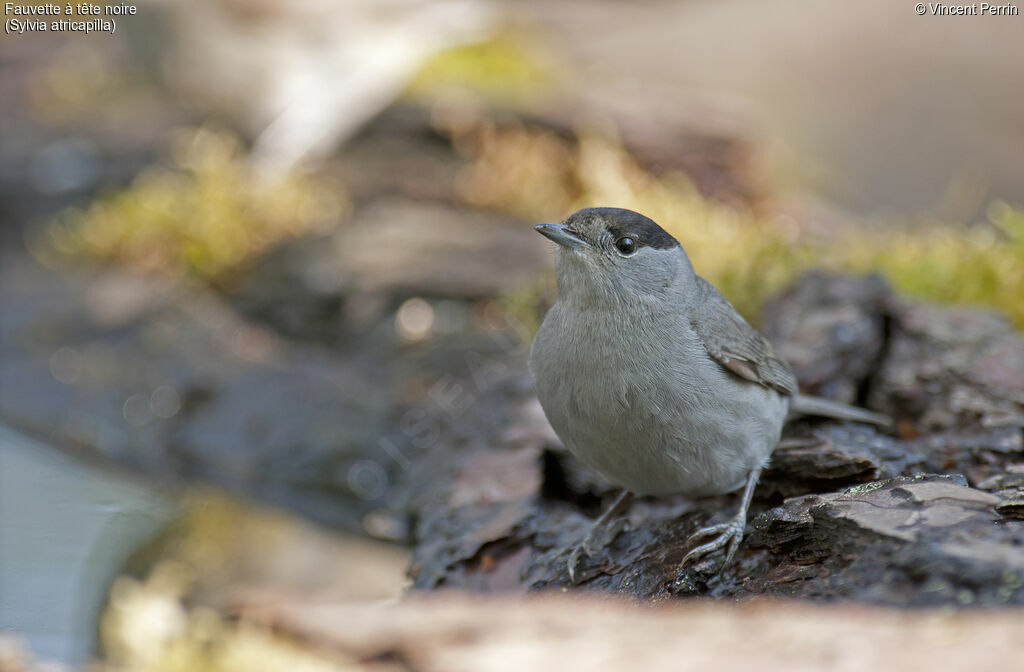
(601, 382)
(611, 372)
(598, 365)
(644, 404)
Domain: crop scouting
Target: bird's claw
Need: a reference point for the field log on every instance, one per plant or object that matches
(574, 559)
(730, 535)
(597, 537)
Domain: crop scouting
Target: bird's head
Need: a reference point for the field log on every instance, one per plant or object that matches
(608, 255)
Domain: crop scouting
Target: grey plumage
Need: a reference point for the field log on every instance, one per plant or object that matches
(734, 344)
(803, 404)
(650, 376)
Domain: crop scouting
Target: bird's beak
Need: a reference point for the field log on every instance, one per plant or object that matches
(561, 234)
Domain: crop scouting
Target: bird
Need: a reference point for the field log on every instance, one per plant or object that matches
(650, 376)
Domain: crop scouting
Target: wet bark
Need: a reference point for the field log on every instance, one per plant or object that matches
(926, 514)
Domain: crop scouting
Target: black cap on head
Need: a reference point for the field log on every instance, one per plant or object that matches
(622, 222)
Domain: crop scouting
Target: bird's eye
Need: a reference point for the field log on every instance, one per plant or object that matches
(625, 245)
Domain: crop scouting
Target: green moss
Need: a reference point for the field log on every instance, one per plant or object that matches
(864, 488)
(980, 264)
(747, 255)
(206, 214)
(505, 70)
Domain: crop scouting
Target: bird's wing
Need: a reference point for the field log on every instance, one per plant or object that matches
(736, 345)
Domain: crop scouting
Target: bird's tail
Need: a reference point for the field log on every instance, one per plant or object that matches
(807, 405)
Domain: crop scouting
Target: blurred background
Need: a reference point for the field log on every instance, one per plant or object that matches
(259, 259)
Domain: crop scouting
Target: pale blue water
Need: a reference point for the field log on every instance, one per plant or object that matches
(66, 529)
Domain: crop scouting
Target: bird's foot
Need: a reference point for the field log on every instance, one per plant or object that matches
(600, 534)
(729, 535)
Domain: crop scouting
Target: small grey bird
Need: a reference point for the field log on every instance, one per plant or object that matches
(650, 376)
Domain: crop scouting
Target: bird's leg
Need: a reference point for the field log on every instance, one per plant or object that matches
(730, 534)
(597, 537)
